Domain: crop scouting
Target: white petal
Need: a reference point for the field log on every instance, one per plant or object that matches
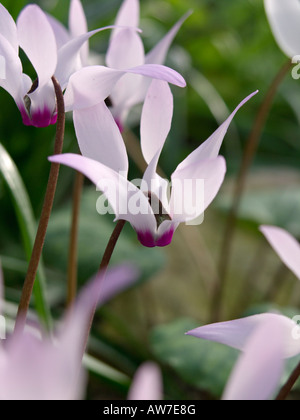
(236, 333)
(37, 39)
(69, 59)
(126, 200)
(61, 34)
(158, 54)
(284, 17)
(13, 70)
(258, 371)
(126, 50)
(8, 28)
(78, 26)
(147, 383)
(99, 137)
(285, 245)
(194, 187)
(156, 118)
(211, 147)
(128, 15)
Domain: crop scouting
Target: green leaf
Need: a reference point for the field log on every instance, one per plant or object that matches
(27, 227)
(203, 364)
(94, 233)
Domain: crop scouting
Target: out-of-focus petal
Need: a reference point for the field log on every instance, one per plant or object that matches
(194, 187)
(37, 39)
(99, 137)
(126, 200)
(93, 84)
(128, 15)
(147, 383)
(285, 245)
(258, 371)
(284, 17)
(69, 59)
(211, 147)
(156, 118)
(78, 26)
(236, 333)
(13, 70)
(8, 28)
(158, 53)
(61, 34)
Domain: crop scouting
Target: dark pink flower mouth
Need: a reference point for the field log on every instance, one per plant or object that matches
(147, 239)
(39, 118)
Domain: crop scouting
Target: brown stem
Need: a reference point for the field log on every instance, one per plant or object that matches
(46, 211)
(248, 155)
(286, 389)
(73, 245)
(102, 269)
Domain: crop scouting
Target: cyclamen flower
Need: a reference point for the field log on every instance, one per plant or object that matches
(149, 210)
(265, 340)
(284, 18)
(33, 368)
(33, 32)
(126, 50)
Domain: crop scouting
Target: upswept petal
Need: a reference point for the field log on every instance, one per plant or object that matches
(258, 370)
(194, 187)
(159, 52)
(284, 17)
(147, 383)
(69, 59)
(285, 245)
(8, 28)
(78, 26)
(126, 200)
(128, 15)
(211, 147)
(13, 69)
(156, 118)
(126, 50)
(37, 39)
(99, 137)
(93, 84)
(236, 333)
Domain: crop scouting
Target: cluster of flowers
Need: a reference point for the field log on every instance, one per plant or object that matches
(34, 368)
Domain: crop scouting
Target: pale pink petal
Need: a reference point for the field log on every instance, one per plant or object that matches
(236, 333)
(12, 82)
(69, 59)
(258, 371)
(285, 245)
(61, 34)
(156, 118)
(147, 383)
(158, 54)
(194, 187)
(78, 26)
(128, 15)
(126, 200)
(211, 147)
(93, 84)
(37, 39)
(284, 17)
(99, 137)
(8, 28)
(126, 50)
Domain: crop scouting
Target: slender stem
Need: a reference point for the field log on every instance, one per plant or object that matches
(248, 155)
(103, 268)
(46, 211)
(286, 389)
(73, 246)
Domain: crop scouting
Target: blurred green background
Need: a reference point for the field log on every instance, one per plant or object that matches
(225, 50)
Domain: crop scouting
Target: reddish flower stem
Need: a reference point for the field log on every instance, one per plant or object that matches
(46, 211)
